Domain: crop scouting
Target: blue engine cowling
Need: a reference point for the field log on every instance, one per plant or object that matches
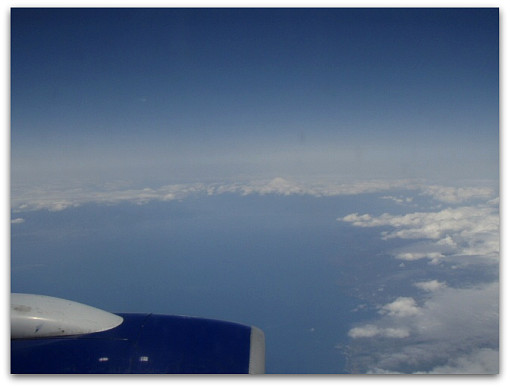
(145, 343)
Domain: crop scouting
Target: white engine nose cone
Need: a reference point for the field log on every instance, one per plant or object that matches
(34, 316)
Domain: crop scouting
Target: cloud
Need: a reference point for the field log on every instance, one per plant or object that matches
(278, 186)
(430, 286)
(58, 198)
(414, 256)
(281, 186)
(431, 225)
(463, 231)
(448, 329)
(455, 195)
(324, 188)
(401, 307)
(482, 361)
(369, 330)
(17, 221)
(453, 331)
(398, 199)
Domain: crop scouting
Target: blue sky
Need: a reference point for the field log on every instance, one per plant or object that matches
(329, 175)
(296, 92)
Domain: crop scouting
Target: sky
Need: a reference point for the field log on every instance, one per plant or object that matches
(329, 175)
(229, 94)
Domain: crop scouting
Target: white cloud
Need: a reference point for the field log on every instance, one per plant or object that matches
(281, 186)
(17, 221)
(453, 331)
(450, 330)
(430, 286)
(53, 199)
(57, 198)
(455, 195)
(401, 307)
(399, 199)
(413, 256)
(395, 333)
(481, 361)
(462, 231)
(465, 313)
(369, 330)
(364, 331)
(447, 241)
(431, 225)
(324, 188)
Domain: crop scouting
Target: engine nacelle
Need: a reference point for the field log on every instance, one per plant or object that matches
(54, 336)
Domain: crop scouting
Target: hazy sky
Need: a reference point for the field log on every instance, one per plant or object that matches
(156, 96)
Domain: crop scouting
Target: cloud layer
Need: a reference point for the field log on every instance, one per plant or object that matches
(452, 331)
(465, 231)
(443, 329)
(55, 198)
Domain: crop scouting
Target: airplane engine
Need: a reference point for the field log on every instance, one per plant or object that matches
(55, 336)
